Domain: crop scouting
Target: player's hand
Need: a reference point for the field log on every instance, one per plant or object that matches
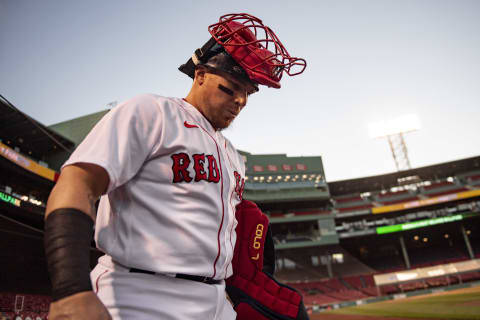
(83, 305)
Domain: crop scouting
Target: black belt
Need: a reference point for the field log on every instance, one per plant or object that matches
(206, 280)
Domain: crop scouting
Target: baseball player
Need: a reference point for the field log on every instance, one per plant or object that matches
(169, 183)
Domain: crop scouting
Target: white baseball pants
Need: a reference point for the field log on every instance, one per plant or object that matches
(139, 296)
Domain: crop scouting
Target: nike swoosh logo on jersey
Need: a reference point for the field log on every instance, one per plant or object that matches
(188, 125)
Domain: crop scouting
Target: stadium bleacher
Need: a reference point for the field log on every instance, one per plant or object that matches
(388, 198)
(442, 188)
(350, 203)
(363, 204)
(24, 305)
(339, 289)
(332, 291)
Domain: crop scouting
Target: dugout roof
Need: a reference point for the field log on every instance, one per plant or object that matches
(34, 139)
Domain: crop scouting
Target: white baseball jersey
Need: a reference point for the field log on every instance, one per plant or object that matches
(174, 185)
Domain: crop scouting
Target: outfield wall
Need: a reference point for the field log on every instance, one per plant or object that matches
(400, 296)
(427, 273)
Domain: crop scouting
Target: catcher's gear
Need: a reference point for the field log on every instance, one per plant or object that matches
(254, 47)
(254, 292)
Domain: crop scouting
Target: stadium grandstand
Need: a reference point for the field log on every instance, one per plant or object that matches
(336, 242)
(419, 227)
(30, 158)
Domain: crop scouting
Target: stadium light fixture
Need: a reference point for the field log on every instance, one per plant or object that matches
(402, 124)
(393, 130)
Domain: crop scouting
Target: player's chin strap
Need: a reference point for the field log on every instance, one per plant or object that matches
(254, 291)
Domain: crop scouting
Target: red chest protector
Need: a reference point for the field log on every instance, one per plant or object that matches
(252, 288)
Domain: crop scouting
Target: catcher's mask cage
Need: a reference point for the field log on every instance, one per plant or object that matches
(253, 46)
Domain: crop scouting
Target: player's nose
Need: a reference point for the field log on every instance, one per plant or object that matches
(240, 98)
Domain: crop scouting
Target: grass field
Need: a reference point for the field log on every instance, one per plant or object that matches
(457, 304)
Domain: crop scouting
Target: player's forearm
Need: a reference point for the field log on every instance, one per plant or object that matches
(69, 228)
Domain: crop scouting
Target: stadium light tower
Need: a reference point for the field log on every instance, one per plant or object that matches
(394, 130)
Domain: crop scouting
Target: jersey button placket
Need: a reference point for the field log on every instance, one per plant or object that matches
(230, 216)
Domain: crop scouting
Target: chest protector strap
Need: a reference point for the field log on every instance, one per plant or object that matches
(252, 288)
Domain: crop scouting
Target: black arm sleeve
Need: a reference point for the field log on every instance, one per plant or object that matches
(68, 233)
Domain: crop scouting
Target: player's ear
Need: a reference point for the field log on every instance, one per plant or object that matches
(200, 72)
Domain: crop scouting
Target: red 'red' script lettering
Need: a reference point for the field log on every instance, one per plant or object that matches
(182, 173)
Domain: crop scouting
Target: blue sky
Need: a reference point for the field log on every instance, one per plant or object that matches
(367, 61)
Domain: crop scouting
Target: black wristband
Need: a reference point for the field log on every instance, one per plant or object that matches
(68, 233)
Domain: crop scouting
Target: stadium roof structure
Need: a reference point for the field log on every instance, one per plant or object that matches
(78, 128)
(386, 181)
(33, 138)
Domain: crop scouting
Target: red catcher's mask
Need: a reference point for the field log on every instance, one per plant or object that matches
(256, 48)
